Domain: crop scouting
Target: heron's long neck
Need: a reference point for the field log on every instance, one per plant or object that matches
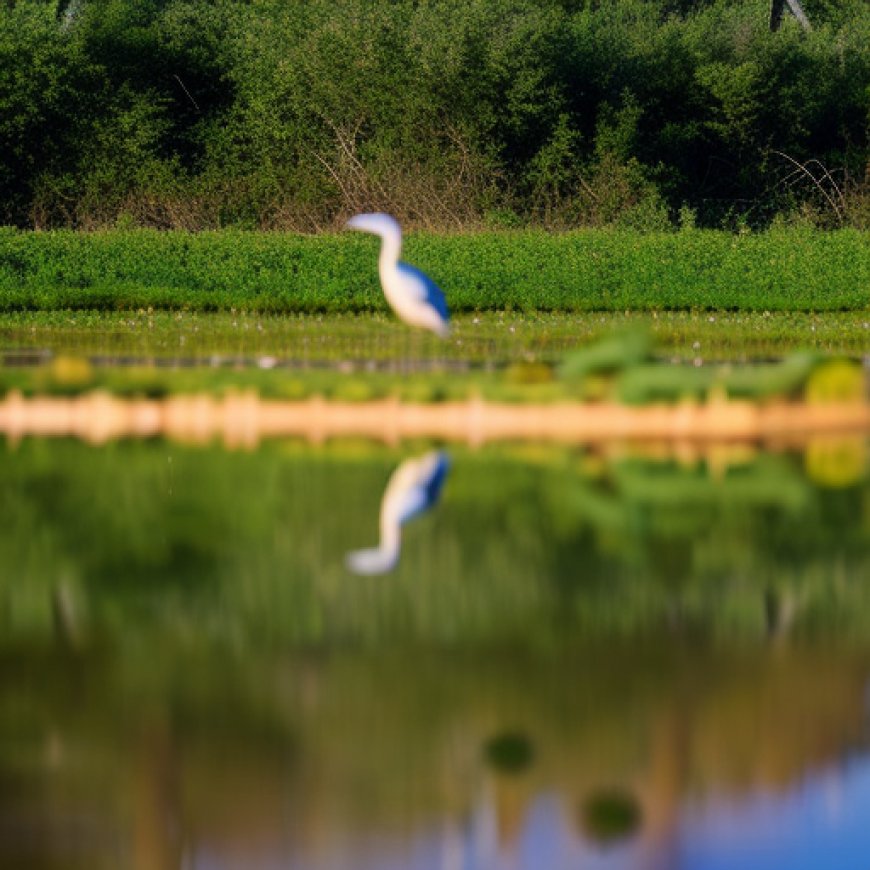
(391, 247)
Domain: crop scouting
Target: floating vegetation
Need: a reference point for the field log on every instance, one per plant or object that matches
(622, 367)
(376, 341)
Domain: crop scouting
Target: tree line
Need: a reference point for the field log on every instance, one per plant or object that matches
(498, 113)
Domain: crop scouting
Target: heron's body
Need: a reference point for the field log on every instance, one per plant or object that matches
(413, 488)
(412, 294)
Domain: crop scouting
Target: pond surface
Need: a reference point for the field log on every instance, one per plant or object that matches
(656, 657)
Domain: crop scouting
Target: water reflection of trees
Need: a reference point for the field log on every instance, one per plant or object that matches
(187, 667)
(529, 542)
(253, 758)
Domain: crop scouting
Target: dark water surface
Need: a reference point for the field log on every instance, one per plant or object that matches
(648, 659)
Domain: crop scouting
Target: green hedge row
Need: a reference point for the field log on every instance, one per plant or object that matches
(780, 270)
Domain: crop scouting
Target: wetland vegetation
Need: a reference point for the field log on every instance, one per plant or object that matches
(378, 340)
(162, 114)
(513, 357)
(591, 270)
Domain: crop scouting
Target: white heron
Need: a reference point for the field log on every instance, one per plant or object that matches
(412, 294)
(414, 487)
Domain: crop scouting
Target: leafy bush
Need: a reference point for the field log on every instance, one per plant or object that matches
(607, 270)
(211, 113)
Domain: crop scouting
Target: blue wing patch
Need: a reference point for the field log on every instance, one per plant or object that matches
(436, 482)
(431, 292)
(427, 492)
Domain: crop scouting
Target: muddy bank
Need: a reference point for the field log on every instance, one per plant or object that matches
(244, 419)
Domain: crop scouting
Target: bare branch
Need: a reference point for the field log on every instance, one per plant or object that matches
(816, 181)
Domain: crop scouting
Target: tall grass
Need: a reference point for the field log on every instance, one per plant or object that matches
(590, 270)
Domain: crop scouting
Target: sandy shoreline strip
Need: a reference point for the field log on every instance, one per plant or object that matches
(242, 419)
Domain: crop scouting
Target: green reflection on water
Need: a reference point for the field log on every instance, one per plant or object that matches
(187, 667)
(527, 544)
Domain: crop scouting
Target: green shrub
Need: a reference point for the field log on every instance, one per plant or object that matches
(608, 270)
(211, 113)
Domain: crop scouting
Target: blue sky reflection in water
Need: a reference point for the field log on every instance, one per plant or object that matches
(822, 824)
(598, 659)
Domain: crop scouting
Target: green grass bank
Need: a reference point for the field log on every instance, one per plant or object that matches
(795, 269)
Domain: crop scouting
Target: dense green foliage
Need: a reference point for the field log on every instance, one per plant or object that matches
(207, 113)
(527, 543)
(591, 270)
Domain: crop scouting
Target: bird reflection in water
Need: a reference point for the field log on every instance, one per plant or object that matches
(413, 488)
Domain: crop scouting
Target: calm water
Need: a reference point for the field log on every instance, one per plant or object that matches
(586, 659)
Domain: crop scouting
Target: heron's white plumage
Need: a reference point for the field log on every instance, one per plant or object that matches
(413, 487)
(412, 294)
